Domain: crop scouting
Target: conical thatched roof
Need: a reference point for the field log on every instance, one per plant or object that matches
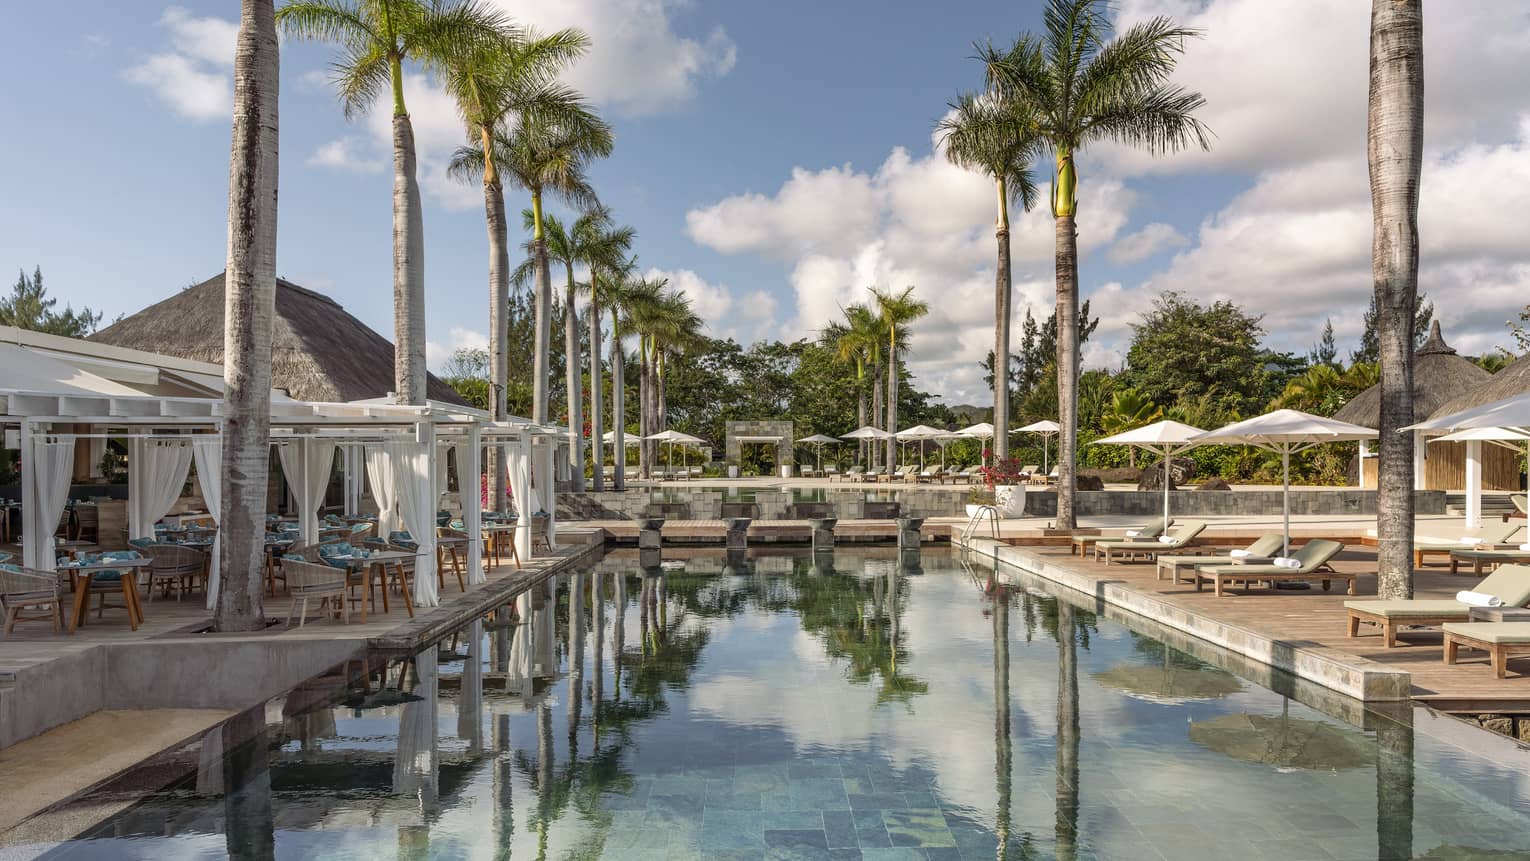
(1438, 376)
(1512, 380)
(318, 351)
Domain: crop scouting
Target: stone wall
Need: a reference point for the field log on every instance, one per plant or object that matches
(732, 448)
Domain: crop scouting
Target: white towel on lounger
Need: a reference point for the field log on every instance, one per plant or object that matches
(1479, 599)
(1165, 539)
(1133, 533)
(1470, 541)
(1286, 562)
(1239, 554)
(1525, 547)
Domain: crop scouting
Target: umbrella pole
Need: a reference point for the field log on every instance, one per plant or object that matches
(1165, 487)
(1285, 495)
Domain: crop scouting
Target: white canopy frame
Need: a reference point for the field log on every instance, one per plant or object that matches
(1165, 438)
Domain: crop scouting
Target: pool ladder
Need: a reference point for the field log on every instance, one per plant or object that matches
(984, 512)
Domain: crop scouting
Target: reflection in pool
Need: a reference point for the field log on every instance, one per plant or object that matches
(801, 706)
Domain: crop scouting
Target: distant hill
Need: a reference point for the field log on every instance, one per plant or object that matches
(967, 414)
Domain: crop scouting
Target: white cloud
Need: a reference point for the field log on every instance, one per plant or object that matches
(745, 318)
(347, 154)
(458, 338)
(638, 63)
(195, 78)
(1146, 242)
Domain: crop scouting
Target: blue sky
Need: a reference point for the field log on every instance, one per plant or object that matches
(777, 158)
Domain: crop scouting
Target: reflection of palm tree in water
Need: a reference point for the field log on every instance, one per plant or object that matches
(1067, 734)
(250, 826)
(1002, 747)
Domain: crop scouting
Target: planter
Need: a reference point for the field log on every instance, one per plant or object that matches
(972, 510)
(1009, 499)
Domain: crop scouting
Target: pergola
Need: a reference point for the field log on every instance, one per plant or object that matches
(51, 388)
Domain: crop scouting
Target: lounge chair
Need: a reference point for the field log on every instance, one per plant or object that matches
(1442, 542)
(1265, 545)
(1178, 537)
(1150, 530)
(1510, 584)
(854, 473)
(1490, 558)
(1314, 557)
(1501, 641)
(1521, 508)
(830, 472)
(23, 588)
(876, 473)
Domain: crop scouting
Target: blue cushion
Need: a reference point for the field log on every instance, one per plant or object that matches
(106, 576)
(4, 556)
(327, 552)
(403, 539)
(141, 543)
(9, 567)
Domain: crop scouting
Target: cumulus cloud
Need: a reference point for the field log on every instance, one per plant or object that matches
(349, 154)
(1146, 242)
(745, 318)
(195, 77)
(458, 338)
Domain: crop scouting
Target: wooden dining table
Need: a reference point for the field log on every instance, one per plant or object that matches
(83, 577)
(378, 561)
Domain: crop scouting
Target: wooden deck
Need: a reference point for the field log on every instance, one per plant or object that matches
(1315, 620)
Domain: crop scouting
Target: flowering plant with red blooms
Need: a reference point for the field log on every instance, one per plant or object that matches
(1003, 472)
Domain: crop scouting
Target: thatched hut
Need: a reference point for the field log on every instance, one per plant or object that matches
(1439, 378)
(318, 351)
(1511, 381)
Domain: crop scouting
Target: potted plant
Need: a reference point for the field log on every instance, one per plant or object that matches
(978, 497)
(1008, 484)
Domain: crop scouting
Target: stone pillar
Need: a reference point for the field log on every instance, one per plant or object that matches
(738, 534)
(649, 533)
(908, 532)
(823, 532)
(736, 563)
(650, 559)
(823, 561)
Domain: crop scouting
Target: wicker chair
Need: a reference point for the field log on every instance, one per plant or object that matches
(21, 588)
(307, 580)
(175, 568)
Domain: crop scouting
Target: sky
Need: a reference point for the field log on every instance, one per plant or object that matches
(776, 159)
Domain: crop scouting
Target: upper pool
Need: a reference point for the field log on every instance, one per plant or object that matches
(807, 707)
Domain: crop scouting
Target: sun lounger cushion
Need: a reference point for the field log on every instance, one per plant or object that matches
(1403, 609)
(1498, 633)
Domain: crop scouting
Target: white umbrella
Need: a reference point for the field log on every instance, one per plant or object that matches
(981, 430)
(1166, 438)
(627, 439)
(920, 433)
(1285, 432)
(1508, 413)
(867, 432)
(1509, 438)
(1047, 429)
(670, 437)
(818, 440)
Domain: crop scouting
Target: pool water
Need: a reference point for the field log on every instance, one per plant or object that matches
(854, 705)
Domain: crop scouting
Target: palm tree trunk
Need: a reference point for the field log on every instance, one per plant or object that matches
(539, 360)
(860, 411)
(1003, 290)
(1066, 812)
(892, 398)
(249, 298)
(408, 270)
(1067, 367)
(645, 413)
(876, 408)
(499, 324)
(575, 401)
(1003, 745)
(597, 382)
(618, 406)
(1395, 144)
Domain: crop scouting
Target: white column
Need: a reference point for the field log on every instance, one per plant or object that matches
(1420, 454)
(1365, 453)
(472, 504)
(33, 537)
(308, 523)
(1473, 484)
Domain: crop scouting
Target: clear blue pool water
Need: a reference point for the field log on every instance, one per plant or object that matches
(852, 706)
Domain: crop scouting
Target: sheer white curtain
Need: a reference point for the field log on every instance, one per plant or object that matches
(307, 464)
(52, 465)
(207, 451)
(443, 456)
(411, 471)
(518, 458)
(546, 483)
(156, 473)
(416, 765)
(380, 468)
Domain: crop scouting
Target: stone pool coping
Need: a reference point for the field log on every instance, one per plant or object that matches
(1351, 675)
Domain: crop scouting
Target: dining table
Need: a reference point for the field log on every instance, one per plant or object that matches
(83, 578)
(378, 561)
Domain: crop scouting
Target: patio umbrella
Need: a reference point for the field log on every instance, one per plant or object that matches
(867, 432)
(919, 433)
(1166, 438)
(818, 440)
(670, 437)
(627, 439)
(1179, 679)
(1285, 432)
(1047, 429)
(981, 430)
(1509, 438)
(1284, 742)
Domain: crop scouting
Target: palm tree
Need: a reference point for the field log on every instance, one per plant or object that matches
(896, 311)
(1129, 409)
(984, 133)
(603, 247)
(858, 339)
(643, 300)
(1076, 88)
(666, 326)
(563, 246)
(248, 308)
(375, 38)
(1394, 151)
(620, 283)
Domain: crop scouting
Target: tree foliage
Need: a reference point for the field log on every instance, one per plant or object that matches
(1181, 349)
(30, 307)
(1370, 348)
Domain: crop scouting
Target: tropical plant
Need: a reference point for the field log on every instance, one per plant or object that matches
(896, 311)
(622, 289)
(666, 326)
(858, 340)
(30, 307)
(375, 38)
(603, 247)
(249, 298)
(1394, 153)
(986, 133)
(1129, 409)
(1076, 86)
(562, 246)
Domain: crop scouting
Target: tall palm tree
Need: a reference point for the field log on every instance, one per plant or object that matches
(858, 340)
(375, 38)
(1076, 86)
(487, 80)
(563, 246)
(643, 300)
(666, 326)
(249, 295)
(1394, 152)
(987, 134)
(620, 284)
(896, 311)
(603, 247)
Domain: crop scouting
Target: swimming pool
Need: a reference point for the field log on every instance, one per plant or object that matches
(855, 705)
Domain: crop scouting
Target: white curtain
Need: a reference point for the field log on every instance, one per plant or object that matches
(307, 464)
(380, 468)
(52, 462)
(207, 449)
(546, 482)
(518, 458)
(412, 474)
(416, 763)
(156, 473)
(443, 456)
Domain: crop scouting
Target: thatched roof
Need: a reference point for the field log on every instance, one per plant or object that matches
(1512, 380)
(1438, 375)
(318, 351)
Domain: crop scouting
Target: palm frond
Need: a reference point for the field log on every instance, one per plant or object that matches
(336, 21)
(1159, 120)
